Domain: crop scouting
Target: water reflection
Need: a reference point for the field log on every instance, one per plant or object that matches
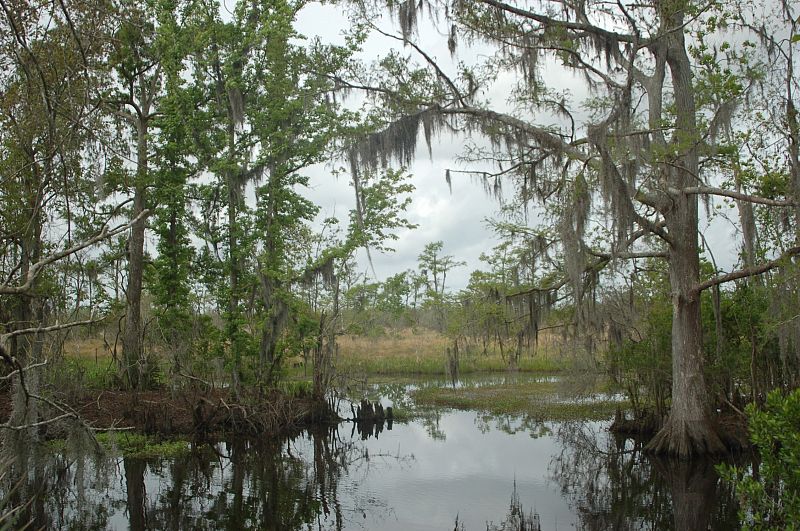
(231, 485)
(417, 475)
(517, 518)
(612, 484)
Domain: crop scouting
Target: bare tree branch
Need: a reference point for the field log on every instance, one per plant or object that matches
(439, 72)
(51, 328)
(749, 271)
(630, 255)
(37, 268)
(23, 369)
(45, 422)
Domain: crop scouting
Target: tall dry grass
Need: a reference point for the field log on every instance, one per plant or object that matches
(423, 351)
(410, 351)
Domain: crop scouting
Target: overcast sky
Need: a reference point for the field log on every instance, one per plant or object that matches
(457, 218)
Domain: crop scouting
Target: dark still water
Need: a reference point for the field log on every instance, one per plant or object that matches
(483, 471)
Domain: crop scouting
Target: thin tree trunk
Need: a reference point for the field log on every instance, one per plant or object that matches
(234, 301)
(791, 367)
(132, 339)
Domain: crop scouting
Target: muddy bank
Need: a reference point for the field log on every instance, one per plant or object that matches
(191, 413)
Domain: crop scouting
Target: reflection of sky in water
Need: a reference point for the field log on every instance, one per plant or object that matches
(407, 479)
(418, 476)
(404, 480)
(470, 474)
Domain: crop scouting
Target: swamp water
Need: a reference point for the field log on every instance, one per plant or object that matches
(443, 469)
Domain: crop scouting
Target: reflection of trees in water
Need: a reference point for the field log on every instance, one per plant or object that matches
(234, 485)
(610, 487)
(516, 519)
(431, 424)
(294, 484)
(612, 484)
(57, 491)
(281, 485)
(511, 424)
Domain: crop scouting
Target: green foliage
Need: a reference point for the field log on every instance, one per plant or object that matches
(136, 445)
(373, 308)
(769, 493)
(77, 374)
(484, 314)
(383, 199)
(740, 346)
(643, 366)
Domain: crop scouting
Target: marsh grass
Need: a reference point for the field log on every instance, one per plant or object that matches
(86, 372)
(89, 364)
(87, 348)
(132, 444)
(541, 400)
(423, 352)
(406, 352)
(140, 446)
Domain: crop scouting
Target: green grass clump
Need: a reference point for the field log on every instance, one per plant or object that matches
(140, 446)
(296, 388)
(88, 372)
(539, 400)
(402, 414)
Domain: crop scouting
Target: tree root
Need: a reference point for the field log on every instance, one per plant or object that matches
(686, 439)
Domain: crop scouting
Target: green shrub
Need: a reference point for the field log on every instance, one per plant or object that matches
(643, 368)
(295, 388)
(770, 492)
(77, 374)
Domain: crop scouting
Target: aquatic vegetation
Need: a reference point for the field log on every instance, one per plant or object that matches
(543, 400)
(136, 445)
(435, 365)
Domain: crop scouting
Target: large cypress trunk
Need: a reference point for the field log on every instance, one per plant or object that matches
(688, 429)
(694, 487)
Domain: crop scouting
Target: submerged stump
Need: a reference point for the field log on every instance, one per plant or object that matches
(368, 418)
